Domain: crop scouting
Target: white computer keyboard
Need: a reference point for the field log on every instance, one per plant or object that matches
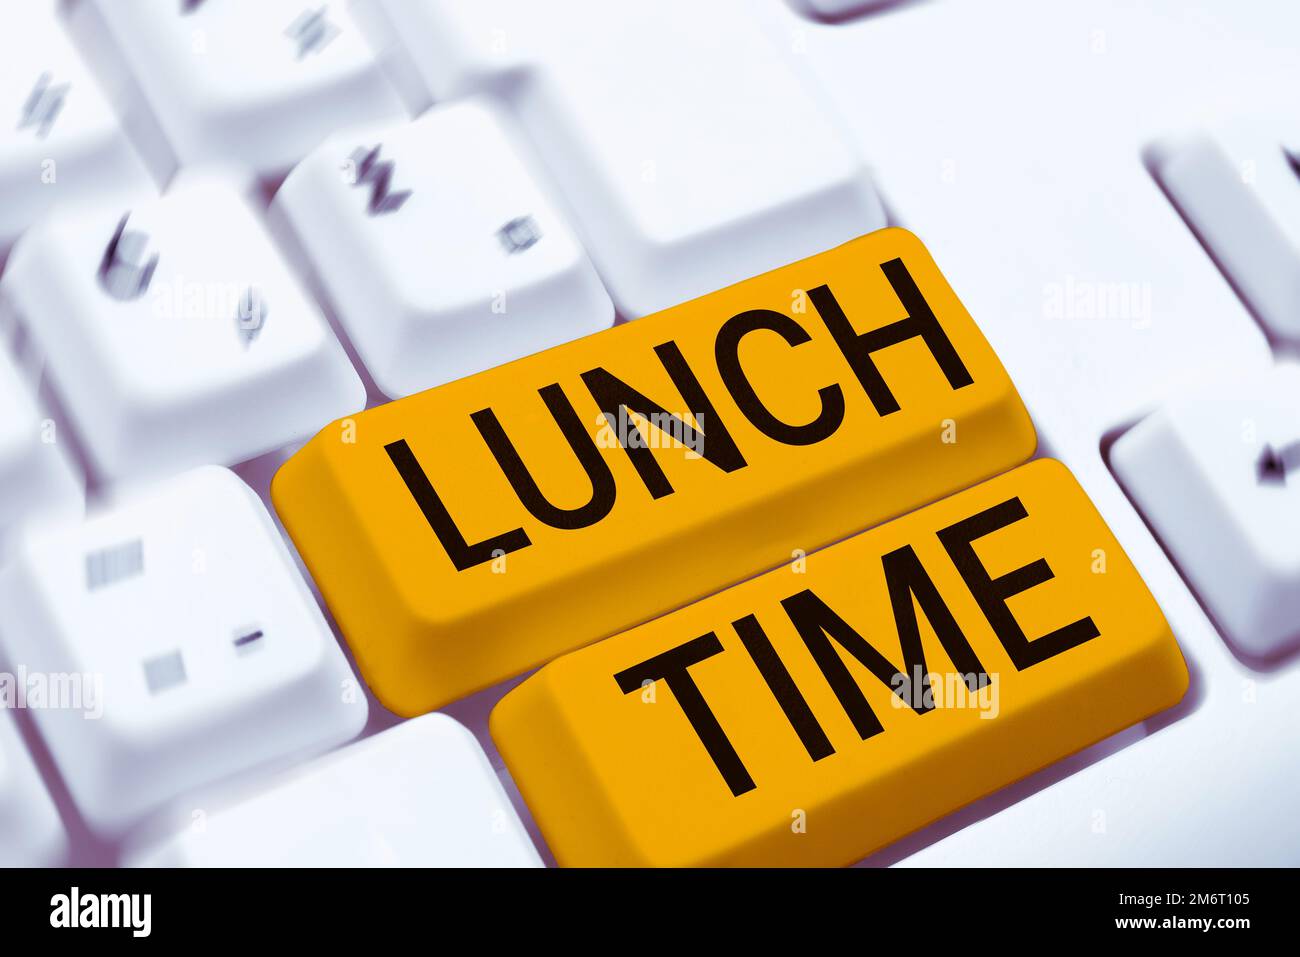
(190, 286)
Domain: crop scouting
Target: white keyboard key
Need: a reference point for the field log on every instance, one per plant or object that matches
(440, 252)
(175, 333)
(31, 834)
(60, 142)
(36, 476)
(213, 655)
(1240, 192)
(421, 794)
(687, 148)
(259, 84)
(1217, 475)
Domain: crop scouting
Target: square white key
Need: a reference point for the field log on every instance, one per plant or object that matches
(212, 655)
(257, 84)
(1217, 475)
(36, 476)
(421, 794)
(190, 343)
(60, 142)
(1239, 189)
(687, 146)
(441, 253)
(31, 834)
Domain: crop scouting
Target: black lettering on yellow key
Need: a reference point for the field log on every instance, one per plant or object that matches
(810, 717)
(476, 530)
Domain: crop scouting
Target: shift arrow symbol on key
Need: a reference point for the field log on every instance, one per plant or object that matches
(1275, 462)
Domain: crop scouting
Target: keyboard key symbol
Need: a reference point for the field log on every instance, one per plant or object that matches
(311, 31)
(43, 105)
(1276, 462)
(519, 234)
(251, 314)
(247, 641)
(111, 565)
(124, 272)
(165, 671)
(369, 169)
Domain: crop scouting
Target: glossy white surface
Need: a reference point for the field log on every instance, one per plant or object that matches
(60, 144)
(219, 358)
(255, 84)
(691, 154)
(440, 252)
(421, 794)
(31, 834)
(195, 646)
(1239, 189)
(36, 477)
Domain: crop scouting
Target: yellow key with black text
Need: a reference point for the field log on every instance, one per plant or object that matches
(820, 711)
(468, 533)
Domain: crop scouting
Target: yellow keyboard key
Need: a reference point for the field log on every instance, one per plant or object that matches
(789, 720)
(474, 531)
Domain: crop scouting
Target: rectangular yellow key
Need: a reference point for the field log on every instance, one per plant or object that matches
(820, 711)
(468, 533)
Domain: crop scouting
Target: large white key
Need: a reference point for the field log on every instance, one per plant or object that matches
(259, 84)
(213, 655)
(1217, 474)
(421, 794)
(60, 142)
(31, 834)
(176, 334)
(36, 476)
(440, 252)
(1239, 188)
(688, 149)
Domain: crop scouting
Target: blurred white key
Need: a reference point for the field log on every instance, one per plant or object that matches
(1240, 191)
(259, 84)
(36, 476)
(31, 834)
(1217, 475)
(421, 794)
(210, 655)
(175, 333)
(440, 252)
(60, 142)
(688, 149)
